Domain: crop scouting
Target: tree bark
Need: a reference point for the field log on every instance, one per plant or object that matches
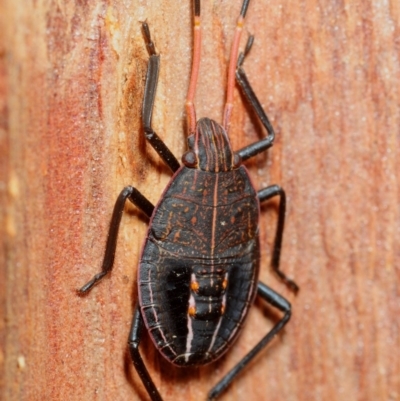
(71, 84)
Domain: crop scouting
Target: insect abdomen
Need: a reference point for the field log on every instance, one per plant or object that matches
(199, 264)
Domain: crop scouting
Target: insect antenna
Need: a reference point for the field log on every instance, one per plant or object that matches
(190, 109)
(233, 64)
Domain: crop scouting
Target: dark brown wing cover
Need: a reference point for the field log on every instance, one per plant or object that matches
(199, 265)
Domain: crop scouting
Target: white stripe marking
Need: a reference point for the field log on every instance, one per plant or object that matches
(155, 315)
(214, 337)
(189, 338)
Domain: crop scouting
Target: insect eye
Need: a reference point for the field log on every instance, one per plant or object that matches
(189, 159)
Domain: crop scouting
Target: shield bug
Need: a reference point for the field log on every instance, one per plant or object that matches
(198, 271)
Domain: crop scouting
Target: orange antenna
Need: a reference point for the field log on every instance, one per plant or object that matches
(232, 66)
(190, 109)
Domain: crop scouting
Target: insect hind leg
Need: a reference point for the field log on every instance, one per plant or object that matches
(133, 343)
(276, 300)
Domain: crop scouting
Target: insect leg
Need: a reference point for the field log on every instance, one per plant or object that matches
(153, 69)
(276, 300)
(144, 205)
(263, 195)
(133, 342)
(241, 78)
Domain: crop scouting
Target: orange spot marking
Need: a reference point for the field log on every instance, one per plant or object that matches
(225, 284)
(194, 286)
(192, 311)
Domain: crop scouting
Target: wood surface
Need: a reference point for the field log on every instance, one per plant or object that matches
(71, 83)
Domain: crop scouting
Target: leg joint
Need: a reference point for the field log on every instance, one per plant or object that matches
(149, 133)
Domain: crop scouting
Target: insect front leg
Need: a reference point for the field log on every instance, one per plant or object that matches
(133, 342)
(263, 195)
(153, 69)
(276, 300)
(144, 205)
(241, 78)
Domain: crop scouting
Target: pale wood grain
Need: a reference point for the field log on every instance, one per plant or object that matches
(72, 77)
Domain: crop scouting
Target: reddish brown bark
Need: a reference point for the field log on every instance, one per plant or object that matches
(71, 84)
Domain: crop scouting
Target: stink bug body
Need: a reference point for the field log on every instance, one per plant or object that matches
(198, 271)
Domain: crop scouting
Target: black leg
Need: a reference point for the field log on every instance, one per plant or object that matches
(133, 342)
(241, 78)
(143, 204)
(263, 195)
(153, 69)
(278, 302)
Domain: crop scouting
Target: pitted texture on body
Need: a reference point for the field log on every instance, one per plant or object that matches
(207, 214)
(199, 265)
